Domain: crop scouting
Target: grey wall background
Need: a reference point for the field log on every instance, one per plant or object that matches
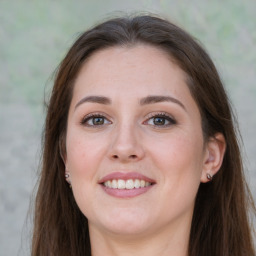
(34, 36)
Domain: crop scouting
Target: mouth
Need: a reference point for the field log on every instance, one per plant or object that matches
(126, 185)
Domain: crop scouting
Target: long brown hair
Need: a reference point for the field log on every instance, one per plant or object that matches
(220, 225)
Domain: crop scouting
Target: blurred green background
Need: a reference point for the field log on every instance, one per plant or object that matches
(34, 37)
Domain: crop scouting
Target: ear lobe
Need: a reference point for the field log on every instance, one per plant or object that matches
(215, 151)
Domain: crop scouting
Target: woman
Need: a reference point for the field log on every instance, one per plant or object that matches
(140, 152)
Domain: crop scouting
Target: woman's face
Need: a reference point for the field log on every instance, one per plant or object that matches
(134, 144)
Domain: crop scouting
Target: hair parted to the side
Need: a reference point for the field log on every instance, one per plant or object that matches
(220, 225)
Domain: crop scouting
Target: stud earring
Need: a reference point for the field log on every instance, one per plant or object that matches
(209, 176)
(67, 178)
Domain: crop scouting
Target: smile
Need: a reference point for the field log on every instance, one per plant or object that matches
(126, 184)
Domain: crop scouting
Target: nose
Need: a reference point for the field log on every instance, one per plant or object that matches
(126, 145)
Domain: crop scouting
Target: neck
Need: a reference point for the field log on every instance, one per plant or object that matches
(159, 243)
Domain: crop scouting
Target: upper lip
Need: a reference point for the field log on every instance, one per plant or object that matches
(125, 176)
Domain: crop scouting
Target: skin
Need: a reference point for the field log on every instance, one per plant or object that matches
(173, 154)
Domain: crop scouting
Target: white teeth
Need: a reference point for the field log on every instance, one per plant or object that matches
(128, 184)
(120, 184)
(114, 184)
(137, 183)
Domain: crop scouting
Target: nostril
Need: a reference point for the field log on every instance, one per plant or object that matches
(128, 157)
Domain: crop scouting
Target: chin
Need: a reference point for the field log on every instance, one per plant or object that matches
(120, 223)
(126, 229)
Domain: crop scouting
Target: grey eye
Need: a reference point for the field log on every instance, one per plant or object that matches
(96, 120)
(159, 121)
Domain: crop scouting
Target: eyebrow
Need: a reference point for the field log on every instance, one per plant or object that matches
(94, 99)
(156, 99)
(144, 101)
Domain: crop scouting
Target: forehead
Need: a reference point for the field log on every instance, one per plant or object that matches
(132, 71)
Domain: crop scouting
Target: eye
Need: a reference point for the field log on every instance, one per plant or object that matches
(95, 120)
(160, 120)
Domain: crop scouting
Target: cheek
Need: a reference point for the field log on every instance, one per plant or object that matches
(83, 155)
(83, 159)
(180, 162)
(178, 150)
(179, 159)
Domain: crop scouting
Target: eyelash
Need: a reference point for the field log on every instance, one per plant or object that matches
(166, 116)
(91, 116)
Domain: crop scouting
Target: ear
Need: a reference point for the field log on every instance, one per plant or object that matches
(63, 154)
(214, 154)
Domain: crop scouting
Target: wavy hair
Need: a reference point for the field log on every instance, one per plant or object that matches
(220, 225)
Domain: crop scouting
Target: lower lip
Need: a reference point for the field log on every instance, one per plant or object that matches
(126, 193)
